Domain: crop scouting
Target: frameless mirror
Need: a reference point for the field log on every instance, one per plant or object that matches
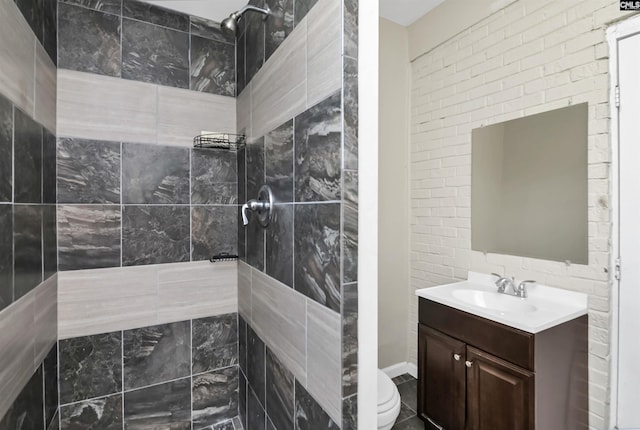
(529, 186)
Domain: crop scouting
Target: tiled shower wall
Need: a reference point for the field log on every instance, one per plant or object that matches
(28, 281)
(298, 290)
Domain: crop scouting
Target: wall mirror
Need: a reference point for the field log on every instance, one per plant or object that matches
(529, 186)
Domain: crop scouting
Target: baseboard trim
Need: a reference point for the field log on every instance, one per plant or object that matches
(400, 369)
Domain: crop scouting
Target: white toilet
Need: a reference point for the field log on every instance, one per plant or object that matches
(388, 401)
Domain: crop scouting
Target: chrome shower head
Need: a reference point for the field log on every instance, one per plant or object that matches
(230, 25)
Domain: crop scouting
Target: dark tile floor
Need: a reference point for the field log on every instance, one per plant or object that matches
(408, 419)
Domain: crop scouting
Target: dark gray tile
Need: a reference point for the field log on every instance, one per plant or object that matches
(215, 397)
(350, 413)
(155, 234)
(54, 424)
(409, 393)
(210, 29)
(256, 363)
(50, 35)
(241, 81)
(255, 412)
(153, 174)
(279, 162)
(156, 354)
(349, 339)
(279, 245)
(255, 29)
(155, 15)
(242, 175)
(49, 240)
(215, 342)
(318, 139)
(97, 414)
(49, 167)
(351, 28)
(28, 159)
(6, 150)
(50, 368)
(88, 236)
(278, 25)
(413, 423)
(317, 252)
(27, 249)
(108, 6)
(242, 344)
(213, 67)
(165, 406)
(26, 412)
(90, 367)
(280, 399)
(350, 103)
(6, 255)
(255, 239)
(242, 237)
(237, 423)
(350, 226)
(98, 50)
(88, 171)
(226, 425)
(405, 413)
(213, 231)
(302, 7)
(242, 398)
(155, 54)
(255, 167)
(270, 425)
(402, 379)
(33, 12)
(309, 414)
(214, 177)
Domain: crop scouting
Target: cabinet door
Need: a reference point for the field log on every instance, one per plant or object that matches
(441, 376)
(500, 395)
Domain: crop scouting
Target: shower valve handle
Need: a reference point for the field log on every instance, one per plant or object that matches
(254, 206)
(262, 207)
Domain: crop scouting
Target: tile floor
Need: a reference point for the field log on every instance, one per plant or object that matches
(408, 419)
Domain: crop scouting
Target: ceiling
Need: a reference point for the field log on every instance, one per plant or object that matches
(403, 12)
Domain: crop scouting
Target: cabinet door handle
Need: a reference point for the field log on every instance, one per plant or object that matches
(433, 423)
(468, 363)
(456, 357)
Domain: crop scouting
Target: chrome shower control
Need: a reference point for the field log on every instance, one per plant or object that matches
(261, 207)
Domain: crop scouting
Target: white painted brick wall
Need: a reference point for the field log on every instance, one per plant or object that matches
(532, 56)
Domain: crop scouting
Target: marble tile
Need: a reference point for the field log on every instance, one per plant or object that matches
(242, 399)
(255, 244)
(6, 255)
(27, 249)
(279, 245)
(50, 34)
(270, 425)
(155, 54)
(242, 344)
(309, 414)
(349, 339)
(213, 67)
(280, 399)
(255, 412)
(6, 150)
(90, 367)
(46, 90)
(226, 425)
(154, 174)
(350, 413)
(317, 253)
(50, 369)
(279, 25)
(155, 234)
(55, 422)
(256, 351)
(108, 6)
(33, 12)
(413, 423)
(49, 240)
(213, 230)
(350, 104)
(27, 410)
(302, 7)
(241, 65)
(351, 28)
(350, 226)
(49, 168)
(215, 342)
(97, 414)
(28, 159)
(255, 167)
(279, 162)
(88, 171)
(215, 397)
(214, 177)
(254, 54)
(242, 237)
(98, 50)
(156, 354)
(210, 30)
(155, 15)
(318, 138)
(88, 236)
(45, 317)
(165, 406)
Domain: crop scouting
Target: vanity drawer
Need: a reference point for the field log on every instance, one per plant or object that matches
(506, 342)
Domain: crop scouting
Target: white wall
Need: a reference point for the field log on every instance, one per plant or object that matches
(393, 191)
(532, 56)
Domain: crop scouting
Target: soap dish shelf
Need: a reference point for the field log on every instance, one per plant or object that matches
(226, 141)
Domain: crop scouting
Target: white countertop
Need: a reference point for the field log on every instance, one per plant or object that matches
(545, 307)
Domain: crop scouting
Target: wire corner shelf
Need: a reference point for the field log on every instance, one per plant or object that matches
(225, 141)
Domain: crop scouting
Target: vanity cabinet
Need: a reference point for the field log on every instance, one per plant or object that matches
(476, 374)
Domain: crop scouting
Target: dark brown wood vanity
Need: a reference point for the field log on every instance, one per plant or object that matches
(477, 374)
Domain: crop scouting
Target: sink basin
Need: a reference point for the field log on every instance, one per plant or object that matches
(493, 301)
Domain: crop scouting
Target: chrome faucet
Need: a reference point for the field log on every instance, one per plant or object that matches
(503, 283)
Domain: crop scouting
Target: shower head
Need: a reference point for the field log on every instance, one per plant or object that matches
(230, 25)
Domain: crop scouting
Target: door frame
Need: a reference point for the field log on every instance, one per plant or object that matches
(615, 32)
